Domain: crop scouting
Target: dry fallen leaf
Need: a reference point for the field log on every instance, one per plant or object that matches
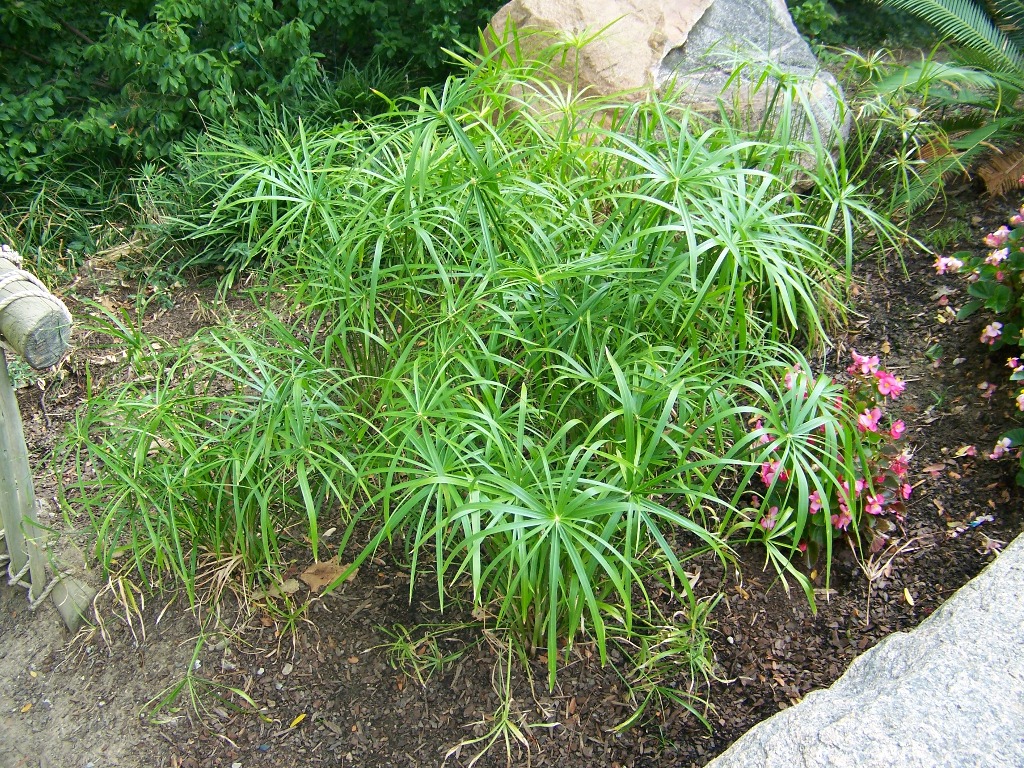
(353, 659)
(286, 587)
(886, 348)
(320, 575)
(26, 708)
(907, 597)
(298, 720)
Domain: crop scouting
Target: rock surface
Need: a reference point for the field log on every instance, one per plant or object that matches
(686, 47)
(950, 693)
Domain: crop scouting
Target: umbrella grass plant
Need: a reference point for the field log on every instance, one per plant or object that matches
(516, 339)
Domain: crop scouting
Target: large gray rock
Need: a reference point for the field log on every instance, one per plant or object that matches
(950, 693)
(688, 48)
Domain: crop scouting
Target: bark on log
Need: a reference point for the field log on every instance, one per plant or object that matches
(34, 322)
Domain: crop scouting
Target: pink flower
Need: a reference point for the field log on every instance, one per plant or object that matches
(900, 464)
(863, 365)
(1001, 448)
(889, 385)
(802, 546)
(1017, 219)
(905, 490)
(875, 505)
(868, 420)
(1014, 363)
(859, 485)
(970, 450)
(763, 439)
(992, 332)
(769, 520)
(997, 257)
(771, 470)
(841, 521)
(897, 429)
(945, 264)
(998, 238)
(792, 376)
(814, 502)
(1020, 401)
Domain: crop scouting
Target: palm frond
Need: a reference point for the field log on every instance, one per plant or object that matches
(1010, 13)
(968, 25)
(1003, 172)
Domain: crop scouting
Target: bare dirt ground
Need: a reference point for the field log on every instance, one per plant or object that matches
(326, 691)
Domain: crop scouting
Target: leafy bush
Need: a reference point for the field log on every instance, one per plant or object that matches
(996, 284)
(917, 124)
(127, 80)
(820, 471)
(978, 92)
(525, 335)
(859, 23)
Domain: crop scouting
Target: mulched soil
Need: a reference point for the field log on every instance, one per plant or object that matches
(329, 695)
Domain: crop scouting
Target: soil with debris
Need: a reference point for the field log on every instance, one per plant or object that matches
(135, 690)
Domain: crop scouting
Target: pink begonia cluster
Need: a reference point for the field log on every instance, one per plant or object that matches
(1017, 366)
(945, 264)
(870, 420)
(998, 238)
(888, 386)
(1001, 241)
(1002, 446)
(992, 332)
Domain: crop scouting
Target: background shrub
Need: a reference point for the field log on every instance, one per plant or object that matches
(858, 23)
(125, 80)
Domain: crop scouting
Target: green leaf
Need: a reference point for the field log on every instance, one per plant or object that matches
(970, 308)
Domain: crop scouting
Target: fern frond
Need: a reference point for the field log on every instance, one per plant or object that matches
(968, 25)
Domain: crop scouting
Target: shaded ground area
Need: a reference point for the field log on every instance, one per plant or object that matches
(325, 686)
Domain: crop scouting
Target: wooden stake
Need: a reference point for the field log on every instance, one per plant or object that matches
(17, 496)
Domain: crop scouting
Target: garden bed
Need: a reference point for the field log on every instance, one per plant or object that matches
(327, 687)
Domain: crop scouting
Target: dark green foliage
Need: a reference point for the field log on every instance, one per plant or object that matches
(858, 23)
(126, 80)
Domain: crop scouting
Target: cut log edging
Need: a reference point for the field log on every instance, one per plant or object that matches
(33, 322)
(36, 325)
